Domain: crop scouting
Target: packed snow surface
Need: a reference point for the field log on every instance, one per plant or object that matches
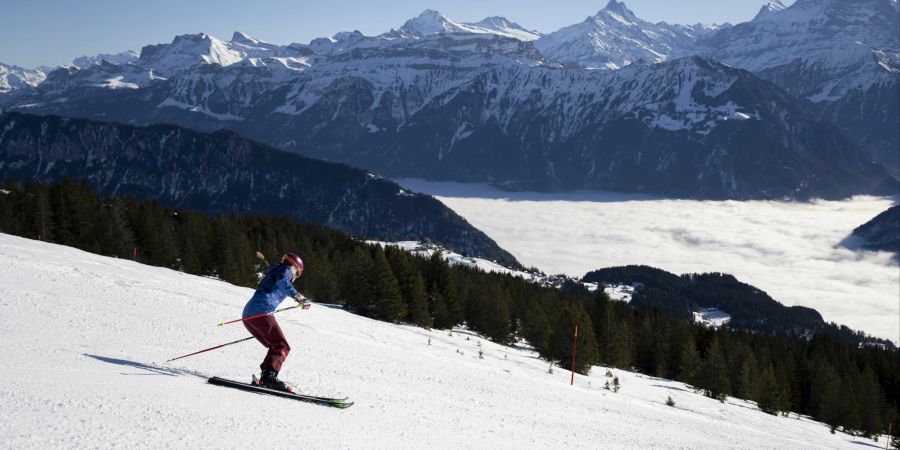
(85, 337)
(790, 250)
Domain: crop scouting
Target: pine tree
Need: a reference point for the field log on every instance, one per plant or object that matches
(535, 327)
(488, 313)
(412, 287)
(869, 403)
(356, 283)
(441, 282)
(831, 406)
(713, 378)
(769, 396)
(620, 345)
(389, 304)
(689, 362)
(564, 335)
(745, 385)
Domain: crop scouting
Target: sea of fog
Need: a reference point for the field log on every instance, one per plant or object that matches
(790, 250)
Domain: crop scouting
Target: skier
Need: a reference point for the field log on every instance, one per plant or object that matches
(275, 286)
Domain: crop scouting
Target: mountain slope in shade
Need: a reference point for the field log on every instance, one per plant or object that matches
(225, 173)
(882, 232)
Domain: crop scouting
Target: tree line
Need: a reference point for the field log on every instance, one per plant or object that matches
(850, 387)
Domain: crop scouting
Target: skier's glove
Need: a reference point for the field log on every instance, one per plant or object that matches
(302, 301)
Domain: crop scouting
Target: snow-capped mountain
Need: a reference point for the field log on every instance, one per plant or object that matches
(503, 27)
(191, 50)
(615, 37)
(841, 55)
(431, 22)
(14, 77)
(113, 58)
(442, 99)
(772, 7)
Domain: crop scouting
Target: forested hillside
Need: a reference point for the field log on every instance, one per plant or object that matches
(855, 388)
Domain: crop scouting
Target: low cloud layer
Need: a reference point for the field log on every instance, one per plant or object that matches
(789, 250)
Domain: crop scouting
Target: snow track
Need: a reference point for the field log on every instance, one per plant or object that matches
(84, 337)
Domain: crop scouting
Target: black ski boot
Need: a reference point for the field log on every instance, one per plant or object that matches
(270, 380)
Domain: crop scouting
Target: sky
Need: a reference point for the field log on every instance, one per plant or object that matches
(792, 251)
(52, 32)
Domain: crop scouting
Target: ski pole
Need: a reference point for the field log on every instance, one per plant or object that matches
(211, 348)
(260, 315)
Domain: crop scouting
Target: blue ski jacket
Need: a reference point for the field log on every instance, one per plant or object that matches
(272, 290)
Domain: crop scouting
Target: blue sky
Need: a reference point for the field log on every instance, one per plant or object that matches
(50, 32)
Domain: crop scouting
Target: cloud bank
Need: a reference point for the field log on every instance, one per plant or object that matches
(790, 250)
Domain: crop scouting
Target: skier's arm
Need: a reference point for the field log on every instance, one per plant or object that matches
(284, 284)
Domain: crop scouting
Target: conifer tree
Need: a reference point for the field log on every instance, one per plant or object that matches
(689, 363)
(869, 403)
(488, 313)
(620, 347)
(563, 337)
(441, 279)
(438, 307)
(535, 327)
(356, 283)
(769, 398)
(412, 287)
(713, 378)
(745, 385)
(389, 304)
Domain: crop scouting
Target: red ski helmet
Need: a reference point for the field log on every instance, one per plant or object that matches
(294, 260)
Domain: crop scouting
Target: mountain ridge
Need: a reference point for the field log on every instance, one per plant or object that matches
(223, 173)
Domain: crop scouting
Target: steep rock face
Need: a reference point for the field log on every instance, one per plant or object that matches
(841, 55)
(223, 172)
(882, 233)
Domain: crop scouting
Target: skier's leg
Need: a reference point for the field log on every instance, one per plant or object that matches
(278, 346)
(259, 328)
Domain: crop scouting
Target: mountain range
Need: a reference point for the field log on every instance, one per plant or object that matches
(799, 102)
(225, 173)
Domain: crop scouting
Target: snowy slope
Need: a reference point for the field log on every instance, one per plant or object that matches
(84, 343)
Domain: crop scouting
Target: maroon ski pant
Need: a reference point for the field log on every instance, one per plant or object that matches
(266, 330)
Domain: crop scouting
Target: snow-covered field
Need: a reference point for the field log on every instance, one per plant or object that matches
(789, 250)
(84, 339)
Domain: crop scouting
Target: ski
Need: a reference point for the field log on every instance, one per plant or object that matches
(335, 402)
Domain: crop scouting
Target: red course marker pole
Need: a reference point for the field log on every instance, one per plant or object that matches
(574, 350)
